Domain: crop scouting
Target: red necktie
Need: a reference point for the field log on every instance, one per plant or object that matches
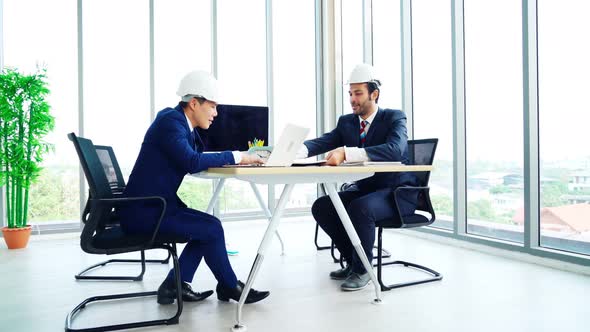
(362, 132)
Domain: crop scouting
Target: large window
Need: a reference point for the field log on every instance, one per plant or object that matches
(241, 51)
(34, 39)
(433, 105)
(563, 125)
(241, 56)
(352, 44)
(180, 47)
(294, 77)
(493, 74)
(174, 56)
(116, 76)
(387, 51)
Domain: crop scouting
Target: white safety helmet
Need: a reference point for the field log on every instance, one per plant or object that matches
(198, 83)
(363, 73)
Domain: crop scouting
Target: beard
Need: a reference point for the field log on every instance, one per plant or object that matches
(364, 108)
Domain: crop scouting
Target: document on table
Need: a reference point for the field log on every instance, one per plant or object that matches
(308, 162)
(371, 163)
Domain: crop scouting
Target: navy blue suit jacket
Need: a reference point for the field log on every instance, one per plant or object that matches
(387, 140)
(167, 154)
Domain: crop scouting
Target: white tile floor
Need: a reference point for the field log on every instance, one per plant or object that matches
(479, 292)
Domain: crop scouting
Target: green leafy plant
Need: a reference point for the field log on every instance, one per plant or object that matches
(24, 121)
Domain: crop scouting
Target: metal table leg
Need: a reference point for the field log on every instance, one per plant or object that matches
(356, 242)
(266, 239)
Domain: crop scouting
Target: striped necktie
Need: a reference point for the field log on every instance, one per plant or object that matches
(363, 133)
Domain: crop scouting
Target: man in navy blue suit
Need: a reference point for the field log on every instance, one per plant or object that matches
(370, 133)
(171, 149)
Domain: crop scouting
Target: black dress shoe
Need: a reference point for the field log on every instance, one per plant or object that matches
(225, 294)
(167, 293)
(342, 274)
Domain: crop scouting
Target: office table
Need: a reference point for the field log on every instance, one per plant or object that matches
(289, 176)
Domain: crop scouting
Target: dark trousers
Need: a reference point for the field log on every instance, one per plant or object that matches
(364, 209)
(207, 241)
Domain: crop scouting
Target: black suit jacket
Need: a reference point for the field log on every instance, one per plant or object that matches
(387, 140)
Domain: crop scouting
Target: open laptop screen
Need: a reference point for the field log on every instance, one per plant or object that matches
(283, 153)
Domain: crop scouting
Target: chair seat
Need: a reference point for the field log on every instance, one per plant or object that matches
(115, 238)
(414, 220)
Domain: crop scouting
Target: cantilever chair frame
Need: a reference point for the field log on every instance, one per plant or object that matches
(117, 187)
(424, 189)
(97, 235)
(332, 247)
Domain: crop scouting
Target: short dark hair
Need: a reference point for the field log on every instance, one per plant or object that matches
(200, 100)
(372, 86)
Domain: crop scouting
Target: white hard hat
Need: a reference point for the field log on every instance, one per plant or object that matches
(363, 73)
(198, 83)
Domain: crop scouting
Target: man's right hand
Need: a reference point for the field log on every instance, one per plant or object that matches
(248, 159)
(335, 157)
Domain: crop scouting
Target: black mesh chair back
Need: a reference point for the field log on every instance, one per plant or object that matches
(109, 163)
(98, 188)
(101, 236)
(93, 170)
(420, 152)
(112, 171)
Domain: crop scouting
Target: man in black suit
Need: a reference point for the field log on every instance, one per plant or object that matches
(171, 149)
(370, 133)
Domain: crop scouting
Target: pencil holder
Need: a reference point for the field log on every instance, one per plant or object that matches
(262, 151)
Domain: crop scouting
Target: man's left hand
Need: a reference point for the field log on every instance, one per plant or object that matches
(335, 157)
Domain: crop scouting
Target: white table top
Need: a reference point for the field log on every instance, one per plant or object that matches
(316, 169)
(307, 174)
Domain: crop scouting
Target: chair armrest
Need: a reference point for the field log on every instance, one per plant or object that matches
(146, 198)
(425, 191)
(86, 211)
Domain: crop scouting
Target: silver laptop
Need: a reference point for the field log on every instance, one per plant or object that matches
(283, 153)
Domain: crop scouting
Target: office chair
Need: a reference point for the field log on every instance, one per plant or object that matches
(101, 237)
(384, 252)
(116, 182)
(420, 152)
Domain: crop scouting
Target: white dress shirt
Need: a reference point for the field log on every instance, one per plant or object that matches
(351, 154)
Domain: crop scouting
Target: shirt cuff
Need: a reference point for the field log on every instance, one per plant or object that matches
(302, 152)
(355, 154)
(237, 156)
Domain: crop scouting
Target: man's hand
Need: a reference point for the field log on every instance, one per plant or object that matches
(335, 157)
(248, 159)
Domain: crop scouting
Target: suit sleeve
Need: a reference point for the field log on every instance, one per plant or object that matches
(395, 142)
(175, 144)
(327, 142)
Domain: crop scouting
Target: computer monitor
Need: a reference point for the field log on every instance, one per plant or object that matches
(234, 126)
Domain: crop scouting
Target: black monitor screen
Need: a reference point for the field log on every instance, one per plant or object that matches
(234, 126)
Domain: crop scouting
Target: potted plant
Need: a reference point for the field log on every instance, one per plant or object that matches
(24, 121)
